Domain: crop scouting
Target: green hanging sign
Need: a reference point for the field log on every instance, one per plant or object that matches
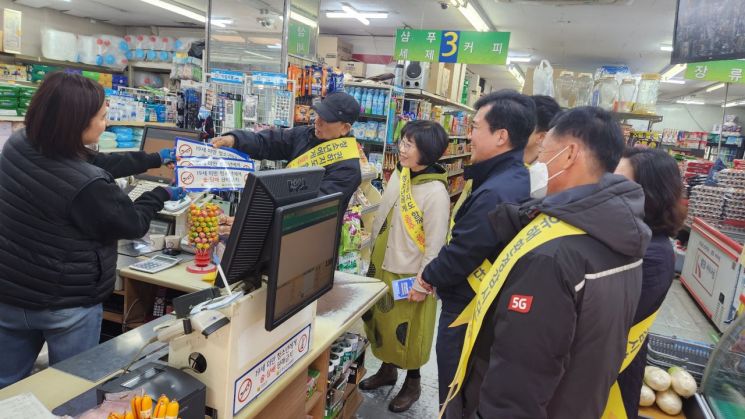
(729, 71)
(468, 47)
(299, 39)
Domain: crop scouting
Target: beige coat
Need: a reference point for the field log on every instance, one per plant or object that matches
(402, 256)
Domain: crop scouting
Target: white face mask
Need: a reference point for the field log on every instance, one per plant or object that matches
(539, 176)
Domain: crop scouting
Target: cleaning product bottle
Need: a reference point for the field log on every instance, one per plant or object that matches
(358, 95)
(376, 102)
(363, 100)
(369, 102)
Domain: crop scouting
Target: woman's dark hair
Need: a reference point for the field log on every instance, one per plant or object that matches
(60, 111)
(430, 138)
(512, 111)
(658, 174)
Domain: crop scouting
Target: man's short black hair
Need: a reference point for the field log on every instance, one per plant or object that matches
(546, 108)
(512, 111)
(430, 138)
(598, 131)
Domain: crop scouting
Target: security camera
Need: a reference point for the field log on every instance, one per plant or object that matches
(444, 5)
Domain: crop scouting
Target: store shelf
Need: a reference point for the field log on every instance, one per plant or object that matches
(639, 117)
(28, 59)
(455, 156)
(436, 99)
(113, 317)
(154, 67)
(366, 141)
(118, 150)
(119, 292)
(140, 124)
(456, 193)
(370, 208)
(374, 117)
(367, 85)
(455, 173)
(313, 401)
(11, 118)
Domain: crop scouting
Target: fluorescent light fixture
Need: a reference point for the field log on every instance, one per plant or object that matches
(223, 22)
(274, 46)
(667, 48)
(673, 71)
(735, 103)
(302, 19)
(474, 18)
(714, 87)
(673, 81)
(354, 13)
(366, 15)
(523, 59)
(179, 10)
(514, 70)
(690, 102)
(459, 3)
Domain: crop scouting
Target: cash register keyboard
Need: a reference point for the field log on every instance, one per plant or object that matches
(141, 187)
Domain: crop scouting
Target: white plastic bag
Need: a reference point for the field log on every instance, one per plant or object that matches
(543, 79)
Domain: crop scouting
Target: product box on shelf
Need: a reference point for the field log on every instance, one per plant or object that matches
(333, 50)
(355, 68)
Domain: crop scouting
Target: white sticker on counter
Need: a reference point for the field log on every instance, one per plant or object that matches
(262, 375)
(190, 148)
(215, 162)
(197, 179)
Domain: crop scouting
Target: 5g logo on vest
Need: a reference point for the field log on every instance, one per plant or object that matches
(520, 303)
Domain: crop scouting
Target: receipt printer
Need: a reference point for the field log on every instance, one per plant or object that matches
(157, 379)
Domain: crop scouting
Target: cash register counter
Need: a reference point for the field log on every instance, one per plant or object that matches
(350, 297)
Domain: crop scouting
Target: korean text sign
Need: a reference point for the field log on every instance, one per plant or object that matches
(729, 71)
(467, 47)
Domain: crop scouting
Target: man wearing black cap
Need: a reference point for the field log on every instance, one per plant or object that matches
(326, 144)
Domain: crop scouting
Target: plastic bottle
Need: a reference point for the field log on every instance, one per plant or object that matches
(363, 100)
(376, 103)
(358, 95)
(369, 103)
(384, 102)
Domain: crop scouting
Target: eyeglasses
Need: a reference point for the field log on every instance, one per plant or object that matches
(404, 145)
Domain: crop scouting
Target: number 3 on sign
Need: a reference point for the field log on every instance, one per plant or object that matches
(449, 47)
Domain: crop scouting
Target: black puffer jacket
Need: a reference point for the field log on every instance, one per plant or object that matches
(288, 144)
(559, 358)
(59, 222)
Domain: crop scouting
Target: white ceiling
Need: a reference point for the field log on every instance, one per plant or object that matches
(575, 37)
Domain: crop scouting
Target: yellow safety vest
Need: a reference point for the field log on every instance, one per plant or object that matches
(615, 409)
(328, 152)
(541, 230)
(411, 215)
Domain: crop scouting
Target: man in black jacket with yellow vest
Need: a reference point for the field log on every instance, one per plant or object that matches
(548, 332)
(314, 145)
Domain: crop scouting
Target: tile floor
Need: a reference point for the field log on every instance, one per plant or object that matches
(680, 316)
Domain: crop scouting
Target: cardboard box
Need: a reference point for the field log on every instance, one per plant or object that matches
(355, 68)
(438, 81)
(333, 50)
(457, 79)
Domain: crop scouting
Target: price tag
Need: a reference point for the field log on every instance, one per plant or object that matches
(401, 287)
(189, 148)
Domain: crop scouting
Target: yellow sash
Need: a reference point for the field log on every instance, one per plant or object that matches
(410, 213)
(328, 152)
(615, 409)
(461, 199)
(541, 230)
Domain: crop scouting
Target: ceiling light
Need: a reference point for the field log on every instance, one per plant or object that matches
(714, 87)
(355, 14)
(474, 18)
(667, 48)
(459, 3)
(366, 15)
(302, 19)
(524, 59)
(178, 10)
(221, 22)
(515, 71)
(274, 46)
(673, 81)
(690, 102)
(673, 71)
(735, 103)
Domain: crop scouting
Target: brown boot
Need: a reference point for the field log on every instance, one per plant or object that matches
(386, 376)
(410, 392)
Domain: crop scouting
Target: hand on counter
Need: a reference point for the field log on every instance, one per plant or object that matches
(223, 141)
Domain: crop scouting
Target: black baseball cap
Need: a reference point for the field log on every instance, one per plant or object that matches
(338, 107)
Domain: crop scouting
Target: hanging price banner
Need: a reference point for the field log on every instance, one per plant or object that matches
(189, 148)
(729, 71)
(197, 179)
(468, 47)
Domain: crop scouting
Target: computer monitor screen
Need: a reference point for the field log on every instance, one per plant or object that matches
(708, 30)
(305, 243)
(155, 139)
(246, 254)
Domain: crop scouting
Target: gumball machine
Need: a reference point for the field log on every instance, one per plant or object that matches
(203, 235)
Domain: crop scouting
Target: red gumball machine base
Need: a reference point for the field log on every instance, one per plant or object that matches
(201, 264)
